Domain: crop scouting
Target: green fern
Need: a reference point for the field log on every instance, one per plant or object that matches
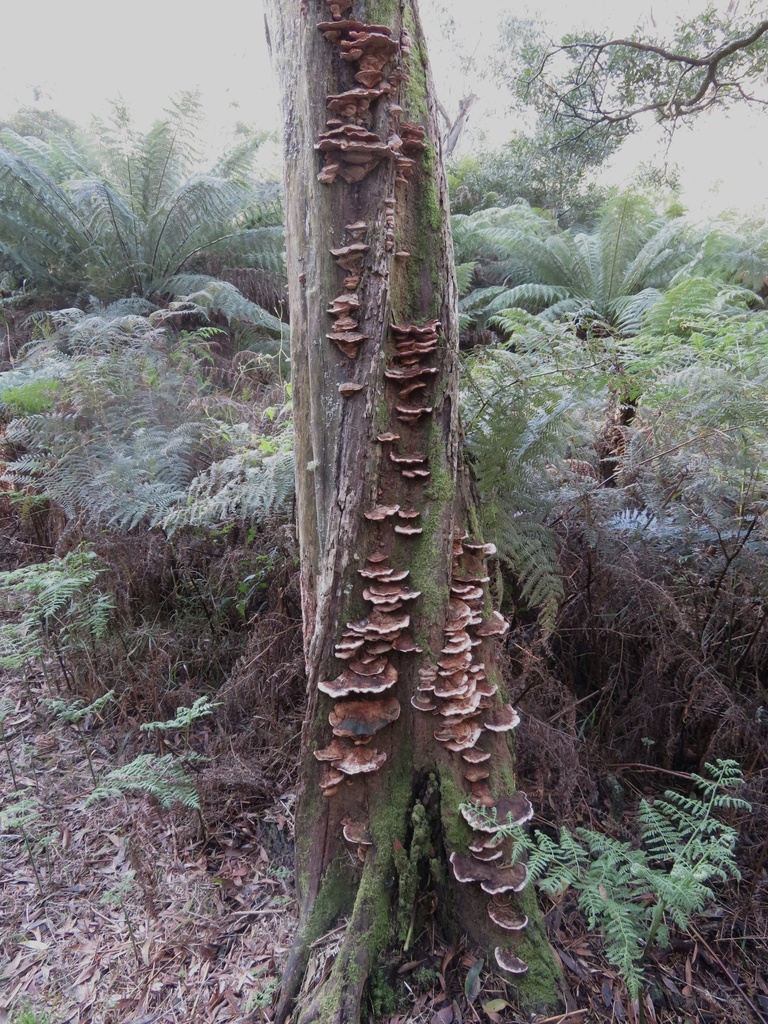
(520, 422)
(74, 711)
(56, 599)
(184, 717)
(247, 486)
(163, 778)
(122, 443)
(612, 275)
(684, 848)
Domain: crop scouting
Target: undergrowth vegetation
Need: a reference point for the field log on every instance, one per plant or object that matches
(150, 463)
(629, 892)
(615, 420)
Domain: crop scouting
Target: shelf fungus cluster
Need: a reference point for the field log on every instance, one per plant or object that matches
(412, 377)
(457, 692)
(358, 836)
(350, 150)
(345, 332)
(407, 146)
(364, 703)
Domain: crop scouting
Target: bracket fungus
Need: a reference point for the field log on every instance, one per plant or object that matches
(422, 703)
(360, 719)
(377, 557)
(381, 593)
(357, 834)
(486, 689)
(333, 752)
(350, 257)
(481, 795)
(452, 686)
(380, 512)
(507, 918)
(502, 720)
(348, 343)
(514, 809)
(378, 624)
(383, 572)
(350, 682)
(374, 666)
(459, 616)
(371, 47)
(330, 779)
(405, 644)
(409, 373)
(493, 878)
(378, 646)
(486, 856)
(475, 756)
(407, 460)
(343, 304)
(339, 8)
(507, 961)
(497, 625)
(454, 662)
(464, 707)
(412, 414)
(479, 547)
(413, 136)
(355, 102)
(360, 760)
(351, 152)
(460, 736)
(457, 643)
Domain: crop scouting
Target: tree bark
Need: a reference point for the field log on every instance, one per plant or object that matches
(399, 294)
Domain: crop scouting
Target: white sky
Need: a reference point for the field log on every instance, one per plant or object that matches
(75, 56)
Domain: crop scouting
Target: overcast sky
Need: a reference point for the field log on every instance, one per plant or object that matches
(74, 56)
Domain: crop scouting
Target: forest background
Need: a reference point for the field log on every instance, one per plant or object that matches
(614, 365)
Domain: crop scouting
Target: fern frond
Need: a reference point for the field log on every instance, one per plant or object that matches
(212, 295)
(163, 778)
(59, 597)
(246, 486)
(464, 275)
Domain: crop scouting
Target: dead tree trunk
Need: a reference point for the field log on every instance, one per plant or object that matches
(406, 720)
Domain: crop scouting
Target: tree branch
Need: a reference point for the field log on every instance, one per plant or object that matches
(710, 60)
(584, 99)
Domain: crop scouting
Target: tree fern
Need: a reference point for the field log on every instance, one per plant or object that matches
(557, 274)
(124, 213)
(214, 296)
(129, 432)
(247, 487)
(121, 444)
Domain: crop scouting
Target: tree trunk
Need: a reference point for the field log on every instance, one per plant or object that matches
(374, 344)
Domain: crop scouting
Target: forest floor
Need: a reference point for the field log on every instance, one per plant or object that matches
(121, 912)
